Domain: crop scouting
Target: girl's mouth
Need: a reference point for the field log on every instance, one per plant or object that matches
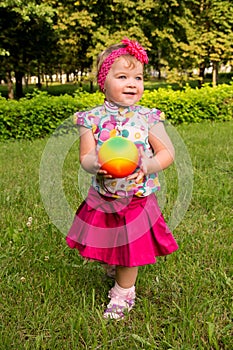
(130, 93)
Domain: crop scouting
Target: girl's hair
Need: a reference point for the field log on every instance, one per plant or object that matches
(131, 50)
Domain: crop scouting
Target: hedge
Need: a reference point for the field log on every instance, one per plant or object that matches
(193, 105)
(39, 114)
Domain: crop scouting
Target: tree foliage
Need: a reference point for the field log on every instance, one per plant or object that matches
(47, 36)
(26, 33)
(211, 37)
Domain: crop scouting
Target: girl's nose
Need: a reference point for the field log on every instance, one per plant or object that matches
(131, 83)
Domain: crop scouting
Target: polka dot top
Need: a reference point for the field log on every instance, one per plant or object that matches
(133, 123)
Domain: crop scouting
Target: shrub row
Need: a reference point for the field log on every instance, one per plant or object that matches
(193, 105)
(39, 114)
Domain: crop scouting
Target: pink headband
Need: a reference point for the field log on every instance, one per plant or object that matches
(132, 48)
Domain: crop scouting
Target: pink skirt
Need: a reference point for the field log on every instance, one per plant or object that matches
(127, 231)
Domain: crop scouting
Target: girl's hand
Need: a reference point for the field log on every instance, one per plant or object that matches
(138, 175)
(147, 164)
(104, 173)
(147, 167)
(90, 163)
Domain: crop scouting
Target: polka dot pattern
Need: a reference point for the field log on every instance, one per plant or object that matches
(132, 123)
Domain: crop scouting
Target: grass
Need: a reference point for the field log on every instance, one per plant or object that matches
(50, 299)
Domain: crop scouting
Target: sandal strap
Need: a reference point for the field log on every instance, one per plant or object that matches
(118, 305)
(114, 310)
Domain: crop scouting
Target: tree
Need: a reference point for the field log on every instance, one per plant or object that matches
(168, 34)
(26, 33)
(120, 18)
(211, 37)
(85, 29)
(45, 36)
(75, 27)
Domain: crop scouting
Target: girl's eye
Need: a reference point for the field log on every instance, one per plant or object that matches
(138, 78)
(122, 77)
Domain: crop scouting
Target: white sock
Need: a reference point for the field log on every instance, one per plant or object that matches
(122, 297)
(122, 291)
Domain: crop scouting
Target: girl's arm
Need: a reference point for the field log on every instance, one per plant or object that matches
(163, 149)
(164, 153)
(87, 151)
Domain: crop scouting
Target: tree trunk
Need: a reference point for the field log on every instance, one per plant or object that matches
(19, 84)
(201, 75)
(9, 86)
(159, 75)
(38, 85)
(60, 76)
(91, 86)
(81, 78)
(26, 78)
(159, 66)
(215, 74)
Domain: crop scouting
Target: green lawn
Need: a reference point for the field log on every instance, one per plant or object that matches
(50, 299)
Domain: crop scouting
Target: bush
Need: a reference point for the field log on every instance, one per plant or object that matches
(193, 105)
(38, 114)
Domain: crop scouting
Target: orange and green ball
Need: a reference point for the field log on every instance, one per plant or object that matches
(118, 156)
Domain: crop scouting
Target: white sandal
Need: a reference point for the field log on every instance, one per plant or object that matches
(118, 305)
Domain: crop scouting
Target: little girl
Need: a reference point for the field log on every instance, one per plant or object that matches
(120, 223)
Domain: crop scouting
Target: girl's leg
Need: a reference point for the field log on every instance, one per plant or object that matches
(126, 276)
(122, 295)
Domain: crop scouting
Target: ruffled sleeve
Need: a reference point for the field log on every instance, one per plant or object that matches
(155, 116)
(89, 119)
(82, 119)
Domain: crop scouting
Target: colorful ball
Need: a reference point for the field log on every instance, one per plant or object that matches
(118, 156)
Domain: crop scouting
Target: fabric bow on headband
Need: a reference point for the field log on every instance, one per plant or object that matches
(132, 48)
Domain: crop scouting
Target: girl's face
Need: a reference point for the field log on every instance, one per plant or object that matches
(124, 82)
